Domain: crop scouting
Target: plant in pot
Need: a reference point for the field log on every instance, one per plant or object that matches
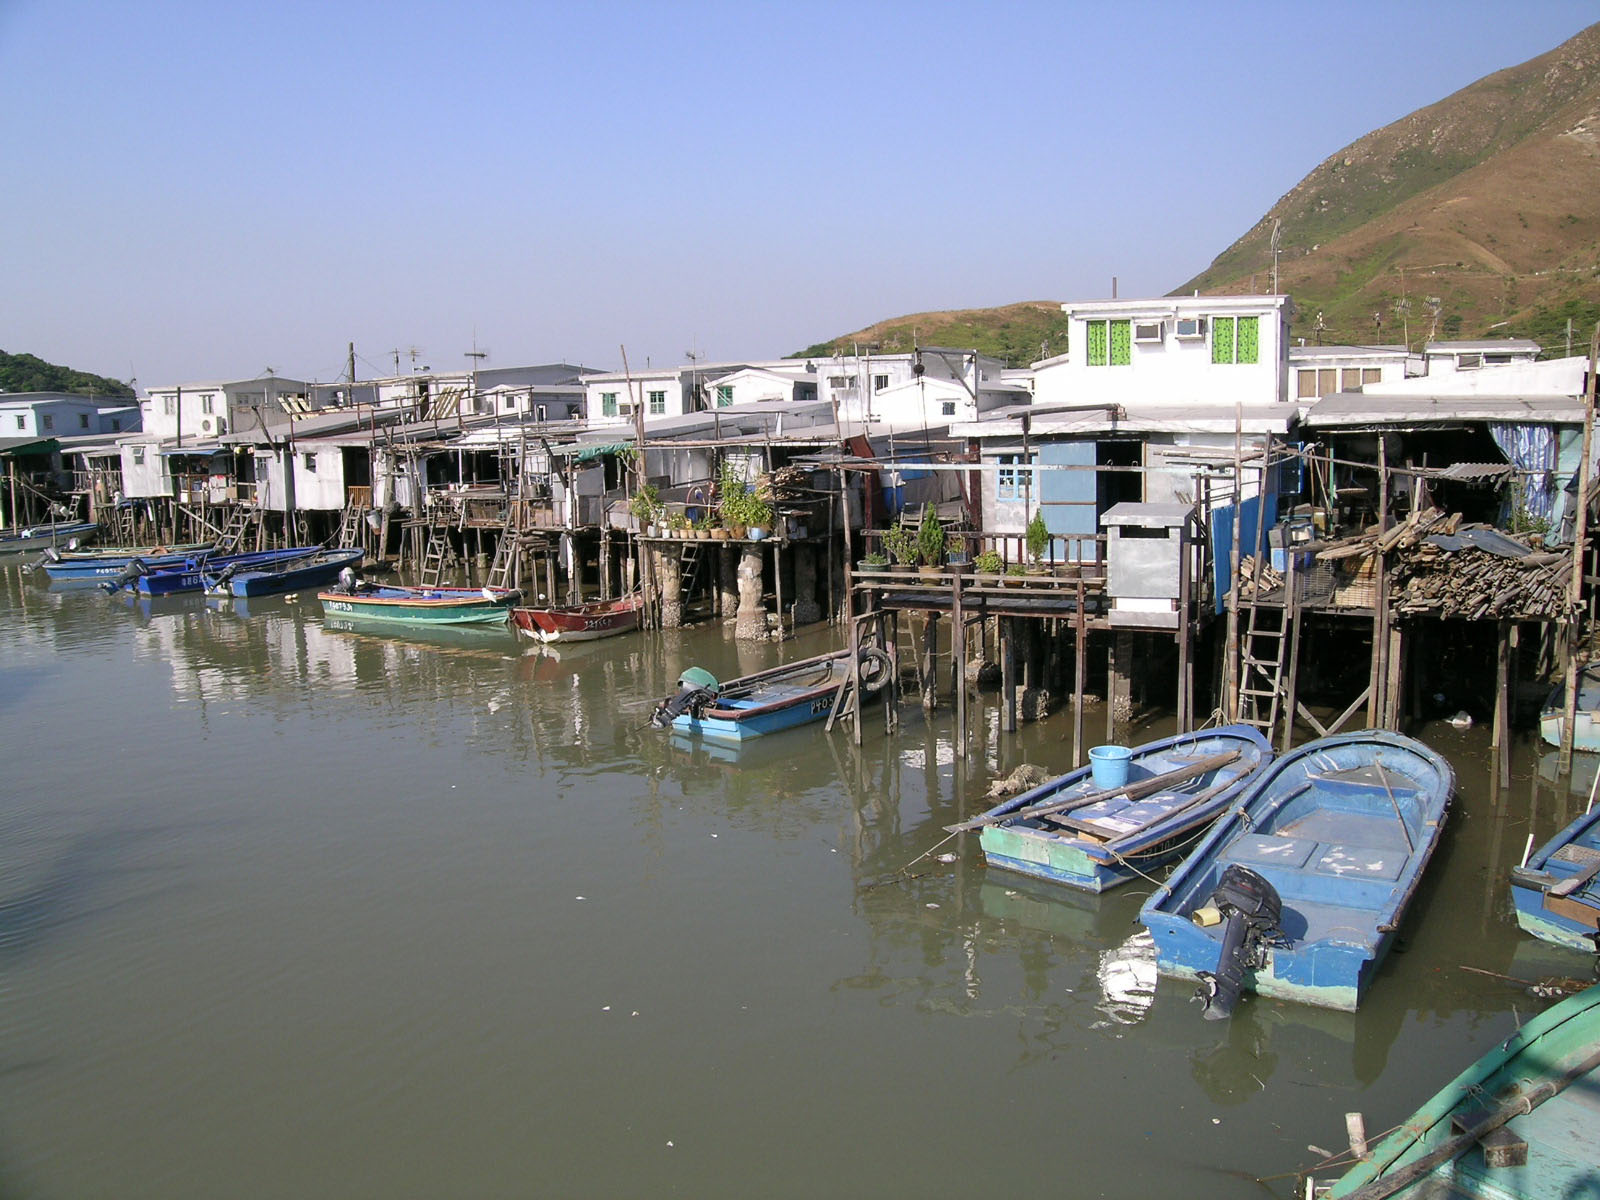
(930, 540)
(989, 563)
(1015, 573)
(1038, 540)
(902, 547)
(646, 506)
(873, 561)
(956, 553)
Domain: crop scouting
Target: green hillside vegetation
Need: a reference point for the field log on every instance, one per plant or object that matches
(1475, 216)
(1017, 333)
(27, 373)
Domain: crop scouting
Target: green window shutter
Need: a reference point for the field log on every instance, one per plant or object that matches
(1121, 343)
(608, 404)
(1249, 349)
(1096, 340)
(1222, 339)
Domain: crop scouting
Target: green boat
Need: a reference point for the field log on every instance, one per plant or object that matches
(420, 606)
(1516, 1125)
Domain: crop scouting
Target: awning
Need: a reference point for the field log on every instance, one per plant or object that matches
(592, 452)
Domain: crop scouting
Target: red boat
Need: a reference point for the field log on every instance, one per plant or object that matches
(579, 622)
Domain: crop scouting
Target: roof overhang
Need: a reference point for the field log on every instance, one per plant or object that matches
(1353, 411)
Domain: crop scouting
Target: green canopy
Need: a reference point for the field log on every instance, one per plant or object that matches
(27, 447)
(592, 452)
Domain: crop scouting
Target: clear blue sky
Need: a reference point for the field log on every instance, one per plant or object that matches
(203, 190)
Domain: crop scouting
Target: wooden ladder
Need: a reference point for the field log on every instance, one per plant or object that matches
(233, 532)
(691, 562)
(434, 558)
(1261, 664)
(505, 555)
(126, 523)
(352, 527)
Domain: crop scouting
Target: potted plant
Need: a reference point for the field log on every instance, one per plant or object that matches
(1038, 539)
(678, 525)
(989, 563)
(902, 547)
(956, 554)
(930, 540)
(1015, 574)
(873, 561)
(646, 507)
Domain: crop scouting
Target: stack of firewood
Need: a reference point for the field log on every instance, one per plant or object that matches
(1257, 577)
(1468, 583)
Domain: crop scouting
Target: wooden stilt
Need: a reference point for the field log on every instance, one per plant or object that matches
(958, 659)
(1396, 671)
(1008, 676)
(930, 658)
(1080, 673)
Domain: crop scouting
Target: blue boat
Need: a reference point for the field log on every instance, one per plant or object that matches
(1586, 721)
(244, 580)
(1299, 886)
(766, 702)
(90, 566)
(1516, 1125)
(38, 537)
(190, 575)
(1075, 832)
(1556, 892)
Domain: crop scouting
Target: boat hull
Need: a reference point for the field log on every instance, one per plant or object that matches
(1586, 723)
(1571, 920)
(93, 565)
(1342, 829)
(420, 606)
(323, 570)
(1093, 863)
(1543, 1076)
(778, 708)
(580, 623)
(37, 537)
(193, 574)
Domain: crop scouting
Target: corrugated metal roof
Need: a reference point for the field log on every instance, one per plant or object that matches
(1471, 472)
(1352, 409)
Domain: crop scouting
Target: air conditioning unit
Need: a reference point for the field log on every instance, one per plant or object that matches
(1191, 327)
(222, 425)
(1147, 331)
(205, 425)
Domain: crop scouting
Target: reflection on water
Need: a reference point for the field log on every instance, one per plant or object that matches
(373, 911)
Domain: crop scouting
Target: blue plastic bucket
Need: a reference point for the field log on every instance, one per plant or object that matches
(1108, 765)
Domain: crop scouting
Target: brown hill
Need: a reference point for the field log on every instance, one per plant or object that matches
(1478, 214)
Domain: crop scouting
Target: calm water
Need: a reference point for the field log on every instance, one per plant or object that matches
(288, 910)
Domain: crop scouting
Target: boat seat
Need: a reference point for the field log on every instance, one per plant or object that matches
(1332, 874)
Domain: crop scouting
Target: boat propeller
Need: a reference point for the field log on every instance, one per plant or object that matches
(1251, 909)
(697, 688)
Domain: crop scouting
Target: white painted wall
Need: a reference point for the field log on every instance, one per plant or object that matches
(1558, 377)
(1170, 370)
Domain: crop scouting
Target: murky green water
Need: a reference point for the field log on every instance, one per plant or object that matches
(288, 910)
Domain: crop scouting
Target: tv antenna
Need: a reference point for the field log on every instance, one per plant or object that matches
(1277, 245)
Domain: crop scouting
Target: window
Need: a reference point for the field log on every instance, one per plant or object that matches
(22, 421)
(879, 382)
(539, 413)
(205, 403)
(116, 424)
(83, 420)
(1013, 477)
(49, 422)
(310, 460)
(608, 404)
(1147, 331)
(1371, 375)
(1349, 378)
(841, 383)
(138, 456)
(1496, 360)
(948, 408)
(658, 404)
(1305, 385)
(1190, 327)
(724, 395)
(508, 404)
(1235, 339)
(169, 405)
(1109, 343)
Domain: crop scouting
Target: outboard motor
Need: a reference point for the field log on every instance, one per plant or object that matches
(126, 576)
(1251, 908)
(347, 581)
(697, 688)
(219, 585)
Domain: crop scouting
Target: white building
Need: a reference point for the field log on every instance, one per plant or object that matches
(1449, 358)
(791, 381)
(1317, 371)
(1182, 351)
(64, 414)
(854, 382)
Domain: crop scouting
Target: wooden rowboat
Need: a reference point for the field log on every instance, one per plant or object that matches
(768, 701)
(1516, 1125)
(1073, 832)
(1299, 887)
(579, 622)
(1557, 891)
(420, 606)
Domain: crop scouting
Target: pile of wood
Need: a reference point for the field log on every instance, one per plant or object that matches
(1257, 577)
(1467, 583)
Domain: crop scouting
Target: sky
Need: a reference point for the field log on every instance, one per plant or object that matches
(204, 191)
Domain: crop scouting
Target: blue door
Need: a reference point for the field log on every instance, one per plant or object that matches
(1067, 498)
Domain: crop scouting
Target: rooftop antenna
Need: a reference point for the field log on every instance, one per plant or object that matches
(1277, 244)
(477, 356)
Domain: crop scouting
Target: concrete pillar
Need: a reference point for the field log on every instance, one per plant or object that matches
(727, 580)
(670, 562)
(1120, 684)
(806, 608)
(751, 620)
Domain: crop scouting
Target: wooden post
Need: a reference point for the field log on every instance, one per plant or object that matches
(958, 657)
(1080, 674)
(1008, 677)
(1579, 537)
(1230, 686)
(930, 661)
(855, 681)
(1377, 702)
(1395, 655)
(891, 695)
